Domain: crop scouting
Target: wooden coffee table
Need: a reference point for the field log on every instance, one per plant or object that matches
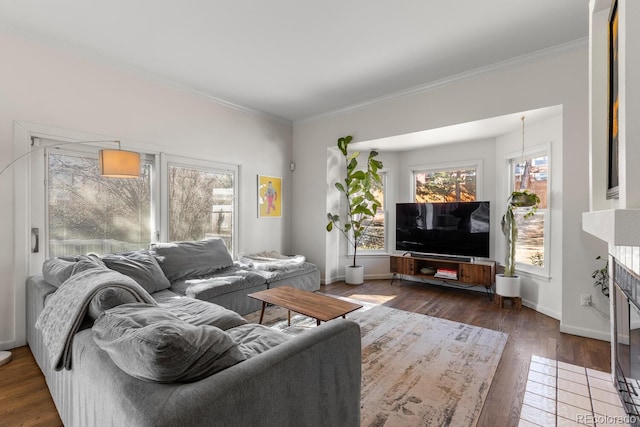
(321, 307)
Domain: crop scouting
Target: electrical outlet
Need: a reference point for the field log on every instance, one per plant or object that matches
(585, 299)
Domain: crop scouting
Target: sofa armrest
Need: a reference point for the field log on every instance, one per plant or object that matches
(310, 380)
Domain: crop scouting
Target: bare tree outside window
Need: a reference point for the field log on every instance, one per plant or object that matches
(531, 174)
(89, 213)
(200, 204)
(445, 186)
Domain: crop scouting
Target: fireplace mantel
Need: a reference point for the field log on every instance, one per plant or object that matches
(618, 227)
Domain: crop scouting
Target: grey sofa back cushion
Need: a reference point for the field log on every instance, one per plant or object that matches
(184, 260)
(151, 344)
(56, 271)
(141, 266)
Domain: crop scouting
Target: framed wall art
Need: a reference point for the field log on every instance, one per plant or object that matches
(269, 196)
(612, 166)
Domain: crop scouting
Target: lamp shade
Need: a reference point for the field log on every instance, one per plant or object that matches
(119, 164)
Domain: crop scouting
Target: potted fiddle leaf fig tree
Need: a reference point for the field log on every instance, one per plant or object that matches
(361, 203)
(508, 283)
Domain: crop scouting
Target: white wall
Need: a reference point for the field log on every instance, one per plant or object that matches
(45, 85)
(482, 152)
(560, 78)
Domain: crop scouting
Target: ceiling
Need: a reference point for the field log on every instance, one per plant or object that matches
(297, 59)
(471, 131)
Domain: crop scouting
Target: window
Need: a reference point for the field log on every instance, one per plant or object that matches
(200, 204)
(89, 213)
(374, 240)
(445, 184)
(531, 172)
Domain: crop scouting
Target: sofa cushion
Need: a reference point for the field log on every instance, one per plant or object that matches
(141, 266)
(199, 313)
(151, 344)
(108, 298)
(254, 339)
(183, 260)
(56, 271)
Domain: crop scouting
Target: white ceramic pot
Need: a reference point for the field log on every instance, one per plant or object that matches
(354, 275)
(507, 286)
(5, 357)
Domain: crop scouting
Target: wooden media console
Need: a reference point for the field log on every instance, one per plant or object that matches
(466, 272)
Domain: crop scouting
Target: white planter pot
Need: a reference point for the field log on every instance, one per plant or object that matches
(507, 286)
(354, 275)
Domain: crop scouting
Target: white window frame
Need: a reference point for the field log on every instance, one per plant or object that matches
(543, 272)
(385, 249)
(167, 160)
(476, 164)
(89, 151)
(37, 191)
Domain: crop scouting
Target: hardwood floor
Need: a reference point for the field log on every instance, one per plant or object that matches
(25, 400)
(529, 333)
(24, 396)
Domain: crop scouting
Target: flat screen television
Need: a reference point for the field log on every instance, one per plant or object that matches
(448, 228)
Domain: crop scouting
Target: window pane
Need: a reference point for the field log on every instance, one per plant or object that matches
(89, 213)
(446, 186)
(374, 238)
(532, 174)
(530, 242)
(200, 204)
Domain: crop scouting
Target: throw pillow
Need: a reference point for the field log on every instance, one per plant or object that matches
(151, 344)
(186, 260)
(141, 266)
(56, 271)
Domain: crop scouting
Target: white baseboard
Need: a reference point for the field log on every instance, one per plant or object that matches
(583, 332)
(541, 309)
(573, 330)
(8, 345)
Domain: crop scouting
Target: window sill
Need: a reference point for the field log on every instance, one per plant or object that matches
(370, 254)
(542, 275)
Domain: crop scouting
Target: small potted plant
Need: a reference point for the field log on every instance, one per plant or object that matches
(361, 203)
(508, 283)
(601, 276)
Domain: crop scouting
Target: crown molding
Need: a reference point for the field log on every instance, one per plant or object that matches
(149, 76)
(502, 65)
(130, 69)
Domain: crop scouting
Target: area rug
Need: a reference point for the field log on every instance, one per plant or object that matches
(419, 370)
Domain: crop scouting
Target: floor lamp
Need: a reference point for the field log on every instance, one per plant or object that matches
(113, 164)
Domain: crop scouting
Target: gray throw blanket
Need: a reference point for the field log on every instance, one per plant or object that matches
(271, 261)
(65, 310)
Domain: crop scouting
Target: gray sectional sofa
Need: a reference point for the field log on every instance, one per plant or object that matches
(117, 346)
